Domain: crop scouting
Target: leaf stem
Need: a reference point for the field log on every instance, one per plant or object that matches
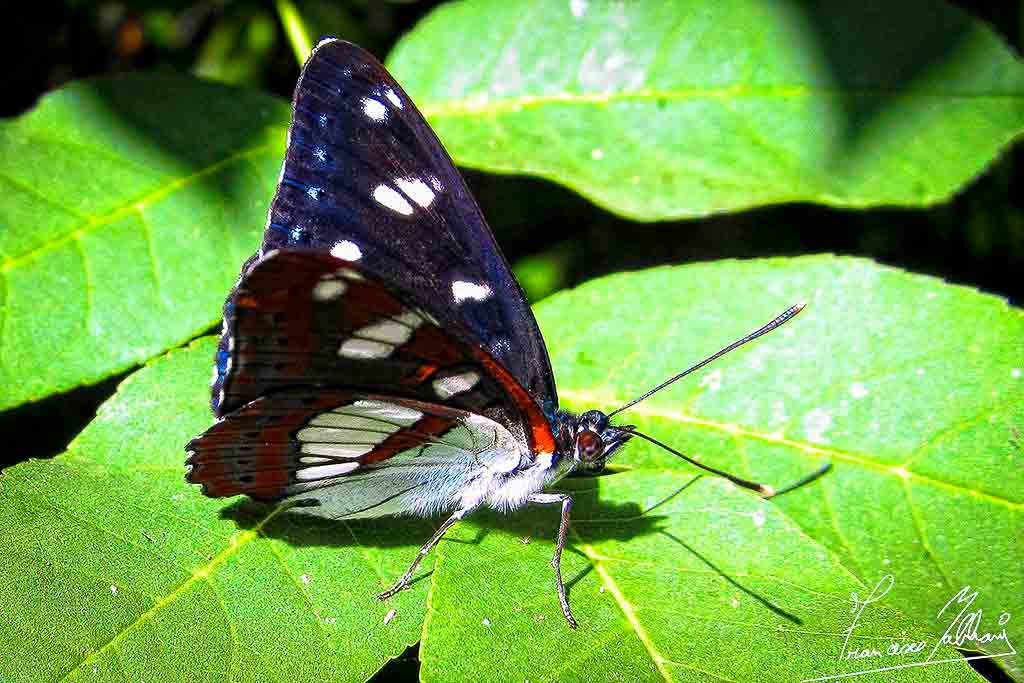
(295, 28)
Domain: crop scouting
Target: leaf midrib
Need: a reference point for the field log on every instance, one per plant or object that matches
(624, 606)
(597, 559)
(897, 471)
(91, 223)
(483, 104)
(201, 574)
(735, 431)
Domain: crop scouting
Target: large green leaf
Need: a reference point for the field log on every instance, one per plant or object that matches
(128, 204)
(657, 110)
(135, 575)
(913, 389)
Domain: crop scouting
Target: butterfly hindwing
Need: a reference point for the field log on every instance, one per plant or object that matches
(302, 318)
(366, 179)
(356, 455)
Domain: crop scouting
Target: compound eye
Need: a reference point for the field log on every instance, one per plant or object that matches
(589, 445)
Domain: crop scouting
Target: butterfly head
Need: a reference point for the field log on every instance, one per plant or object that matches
(595, 440)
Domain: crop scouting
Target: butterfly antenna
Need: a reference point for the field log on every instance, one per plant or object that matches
(787, 315)
(764, 490)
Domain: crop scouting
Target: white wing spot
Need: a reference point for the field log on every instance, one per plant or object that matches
(417, 190)
(446, 387)
(349, 274)
(337, 450)
(387, 196)
(463, 290)
(392, 331)
(375, 109)
(393, 98)
(410, 318)
(328, 290)
(347, 250)
(314, 460)
(387, 331)
(343, 421)
(424, 315)
(322, 471)
(386, 411)
(335, 435)
(360, 349)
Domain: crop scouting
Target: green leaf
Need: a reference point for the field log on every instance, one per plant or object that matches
(148, 580)
(127, 205)
(701, 585)
(238, 48)
(912, 389)
(686, 108)
(543, 274)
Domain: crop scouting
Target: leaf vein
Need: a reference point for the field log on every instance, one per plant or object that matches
(88, 286)
(147, 233)
(805, 448)
(919, 529)
(94, 222)
(625, 607)
(197, 575)
(471, 107)
(302, 591)
(33, 192)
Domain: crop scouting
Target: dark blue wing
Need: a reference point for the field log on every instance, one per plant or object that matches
(366, 179)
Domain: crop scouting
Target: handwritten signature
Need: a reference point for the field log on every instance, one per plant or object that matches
(965, 631)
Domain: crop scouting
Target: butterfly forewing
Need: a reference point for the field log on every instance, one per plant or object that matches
(302, 318)
(366, 180)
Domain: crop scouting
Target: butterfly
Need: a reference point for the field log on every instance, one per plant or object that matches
(378, 357)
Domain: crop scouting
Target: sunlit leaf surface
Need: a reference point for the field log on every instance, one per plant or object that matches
(128, 204)
(657, 110)
(912, 389)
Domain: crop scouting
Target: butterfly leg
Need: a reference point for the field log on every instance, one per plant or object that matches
(563, 529)
(424, 551)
